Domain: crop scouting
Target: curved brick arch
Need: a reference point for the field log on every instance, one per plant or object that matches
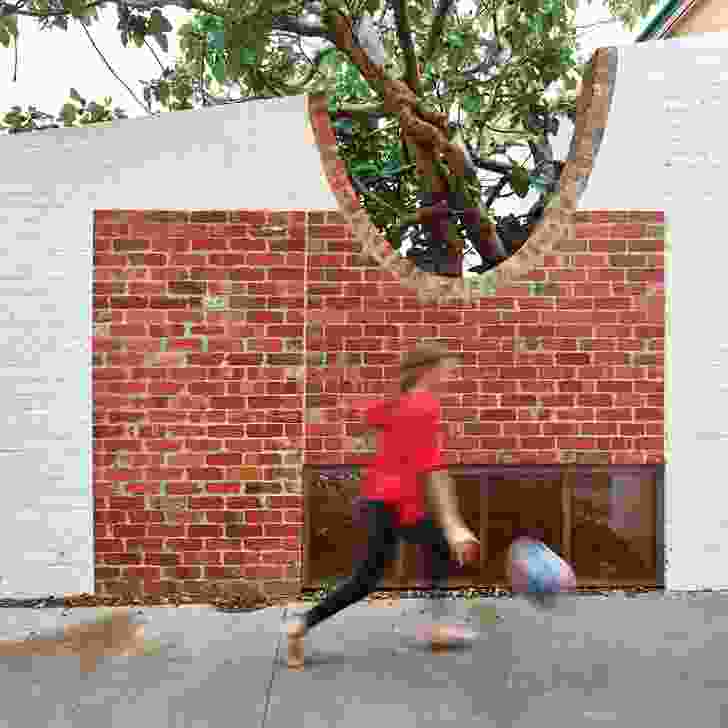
(592, 110)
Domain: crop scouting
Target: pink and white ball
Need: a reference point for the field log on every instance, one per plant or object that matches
(536, 571)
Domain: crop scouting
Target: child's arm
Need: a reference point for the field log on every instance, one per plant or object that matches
(441, 494)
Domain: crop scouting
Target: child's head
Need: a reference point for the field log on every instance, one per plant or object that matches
(425, 367)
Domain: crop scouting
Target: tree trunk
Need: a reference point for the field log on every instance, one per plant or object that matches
(426, 136)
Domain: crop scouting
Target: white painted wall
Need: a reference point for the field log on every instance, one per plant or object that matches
(665, 148)
(252, 155)
(669, 106)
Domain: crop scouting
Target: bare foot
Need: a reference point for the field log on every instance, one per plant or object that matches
(296, 631)
(441, 636)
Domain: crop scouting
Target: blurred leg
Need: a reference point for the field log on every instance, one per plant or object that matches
(381, 551)
(440, 635)
(428, 533)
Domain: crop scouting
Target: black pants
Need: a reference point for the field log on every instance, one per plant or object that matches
(383, 540)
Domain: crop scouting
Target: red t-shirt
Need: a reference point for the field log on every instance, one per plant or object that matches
(408, 445)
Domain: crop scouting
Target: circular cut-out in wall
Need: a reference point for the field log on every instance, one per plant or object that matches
(556, 225)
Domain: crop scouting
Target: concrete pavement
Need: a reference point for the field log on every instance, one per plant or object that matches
(647, 660)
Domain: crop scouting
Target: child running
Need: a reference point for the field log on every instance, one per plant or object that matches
(407, 468)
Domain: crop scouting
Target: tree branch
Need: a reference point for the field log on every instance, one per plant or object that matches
(599, 22)
(495, 191)
(113, 72)
(459, 140)
(488, 164)
(404, 35)
(154, 53)
(291, 90)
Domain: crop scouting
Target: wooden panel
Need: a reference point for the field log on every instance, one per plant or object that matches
(470, 500)
(520, 498)
(567, 508)
(614, 536)
(601, 519)
(334, 541)
(331, 536)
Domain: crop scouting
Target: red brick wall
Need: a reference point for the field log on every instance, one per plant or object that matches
(199, 429)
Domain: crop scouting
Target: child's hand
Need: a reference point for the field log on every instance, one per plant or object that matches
(464, 544)
(468, 552)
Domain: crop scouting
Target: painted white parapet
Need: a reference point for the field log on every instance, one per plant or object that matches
(252, 155)
(666, 148)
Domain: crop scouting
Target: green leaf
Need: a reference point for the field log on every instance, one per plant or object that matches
(519, 181)
(218, 70)
(68, 114)
(203, 22)
(344, 124)
(472, 104)
(4, 35)
(77, 97)
(390, 169)
(248, 57)
(455, 40)
(538, 182)
(566, 56)
(216, 40)
(164, 93)
(11, 23)
(364, 169)
(71, 6)
(328, 56)
(154, 23)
